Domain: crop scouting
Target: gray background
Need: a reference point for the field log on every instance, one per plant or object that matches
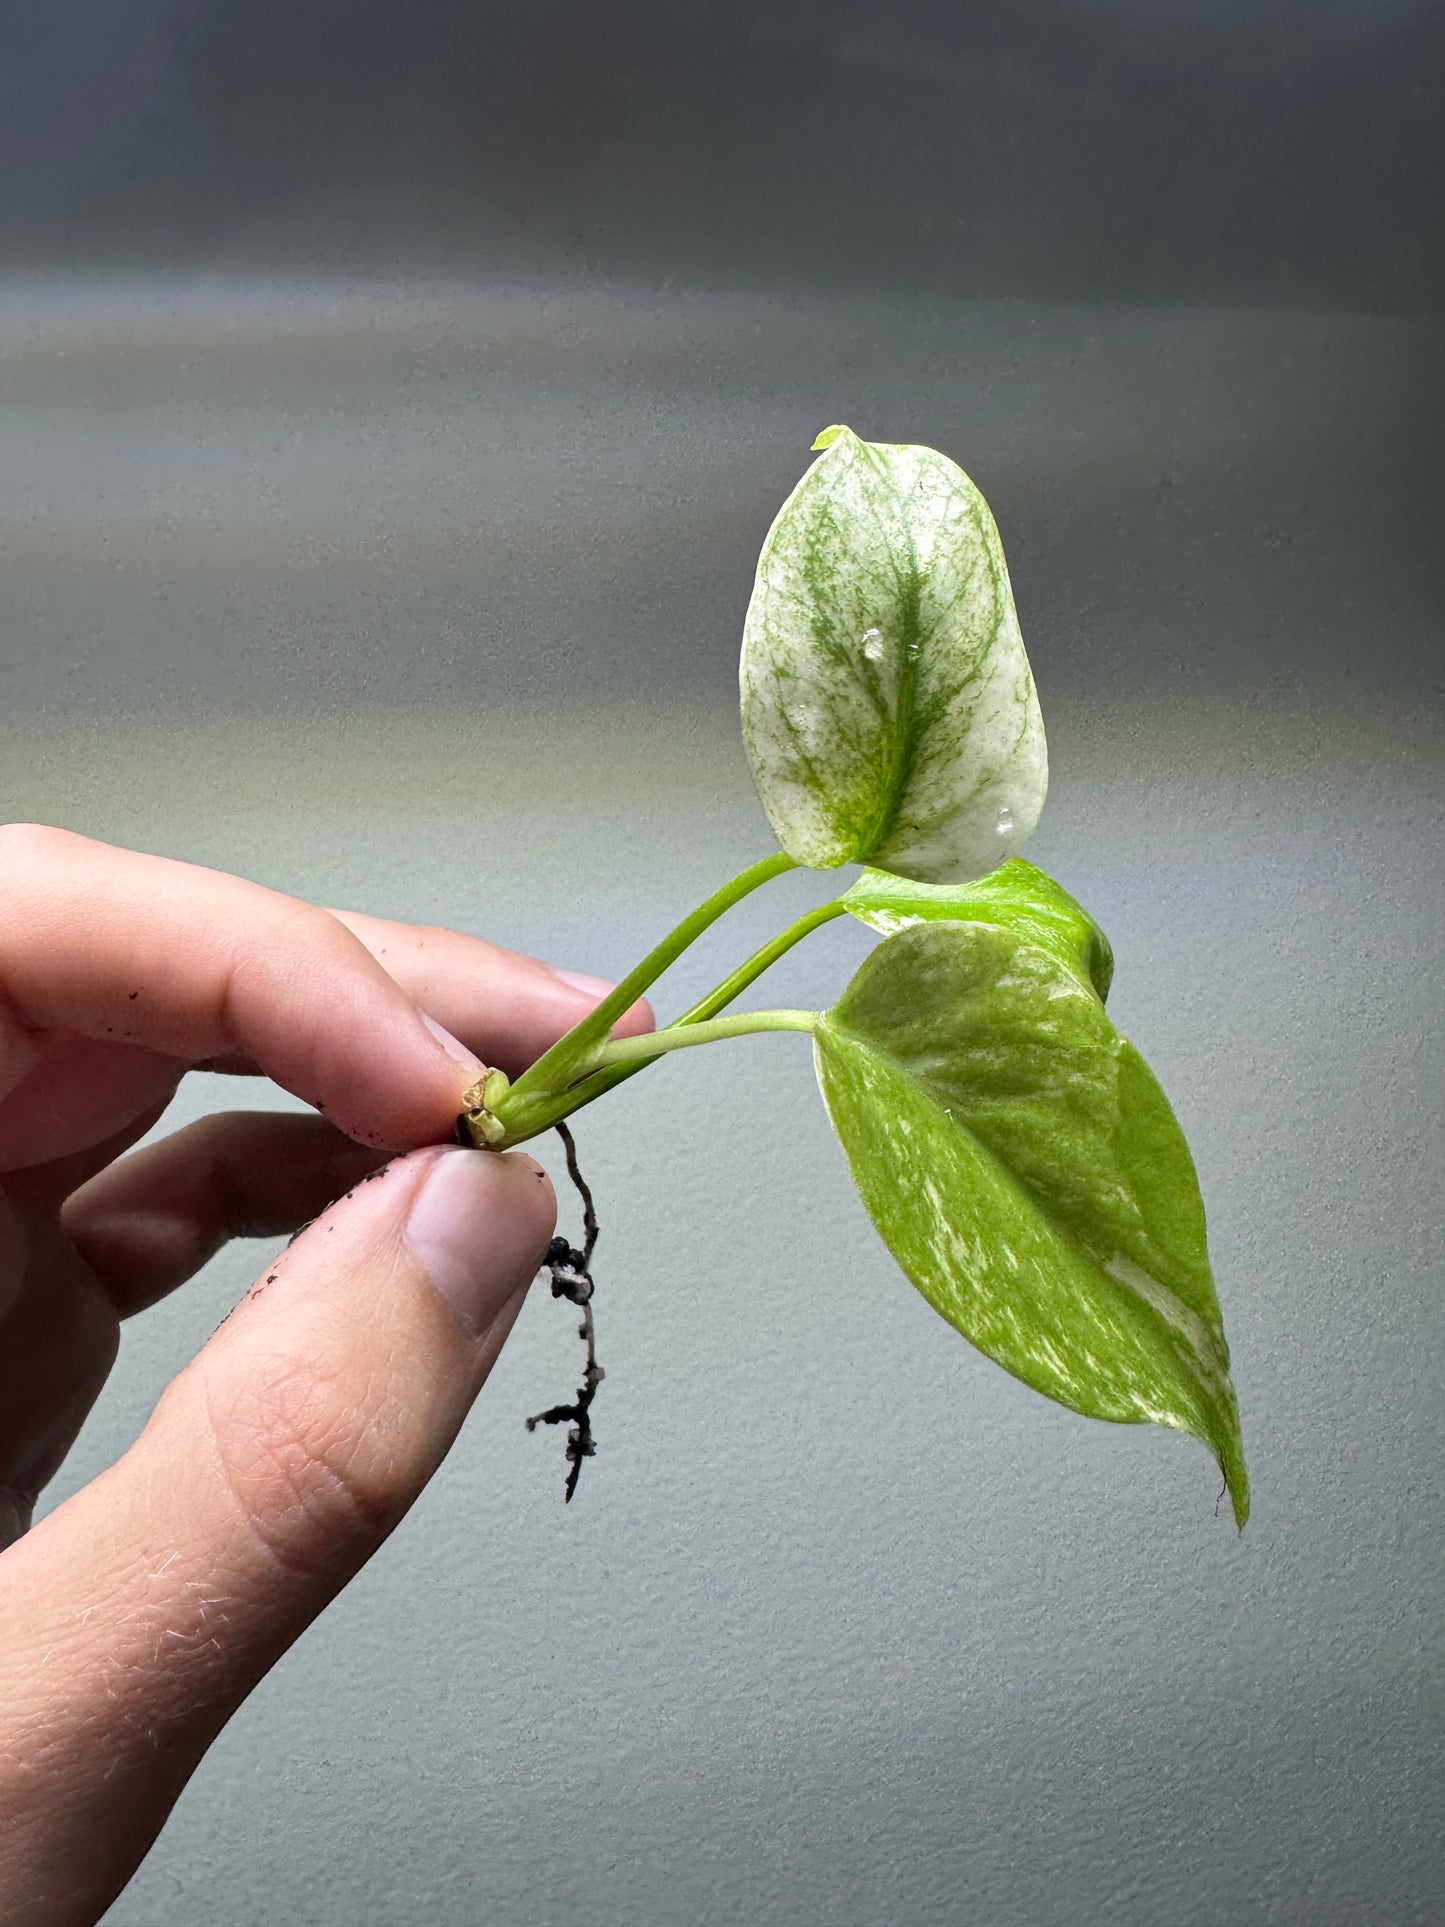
(394, 401)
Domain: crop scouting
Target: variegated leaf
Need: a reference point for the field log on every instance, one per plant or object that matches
(1016, 894)
(1026, 1171)
(888, 709)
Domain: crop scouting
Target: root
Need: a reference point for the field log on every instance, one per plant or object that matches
(571, 1275)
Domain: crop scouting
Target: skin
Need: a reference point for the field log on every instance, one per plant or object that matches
(140, 1613)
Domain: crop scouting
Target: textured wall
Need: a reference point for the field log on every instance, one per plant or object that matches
(428, 602)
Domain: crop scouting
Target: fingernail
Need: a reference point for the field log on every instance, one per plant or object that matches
(594, 987)
(454, 1048)
(478, 1233)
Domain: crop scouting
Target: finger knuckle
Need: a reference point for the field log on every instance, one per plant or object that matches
(221, 1142)
(306, 928)
(23, 845)
(315, 1473)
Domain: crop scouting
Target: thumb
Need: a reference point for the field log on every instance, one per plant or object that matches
(139, 1614)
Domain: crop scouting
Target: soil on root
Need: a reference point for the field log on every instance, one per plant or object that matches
(571, 1275)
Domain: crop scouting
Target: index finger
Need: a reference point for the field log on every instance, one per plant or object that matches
(195, 964)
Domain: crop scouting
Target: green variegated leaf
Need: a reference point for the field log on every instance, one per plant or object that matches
(1015, 894)
(1026, 1171)
(887, 705)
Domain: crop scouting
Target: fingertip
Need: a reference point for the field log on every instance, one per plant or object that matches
(636, 1021)
(455, 1050)
(585, 993)
(594, 989)
(539, 1173)
(529, 1192)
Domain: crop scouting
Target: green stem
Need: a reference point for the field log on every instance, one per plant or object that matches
(561, 1065)
(631, 1050)
(600, 1082)
(760, 961)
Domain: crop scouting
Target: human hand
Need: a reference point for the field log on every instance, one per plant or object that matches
(140, 1613)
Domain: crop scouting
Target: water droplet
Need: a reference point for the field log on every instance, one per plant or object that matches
(873, 644)
(1005, 821)
(913, 648)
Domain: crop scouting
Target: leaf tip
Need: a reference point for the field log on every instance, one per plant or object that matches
(826, 437)
(1239, 1499)
(1228, 1453)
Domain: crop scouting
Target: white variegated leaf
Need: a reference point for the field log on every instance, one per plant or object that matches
(888, 709)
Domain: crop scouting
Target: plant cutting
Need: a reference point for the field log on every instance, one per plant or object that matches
(1014, 1151)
